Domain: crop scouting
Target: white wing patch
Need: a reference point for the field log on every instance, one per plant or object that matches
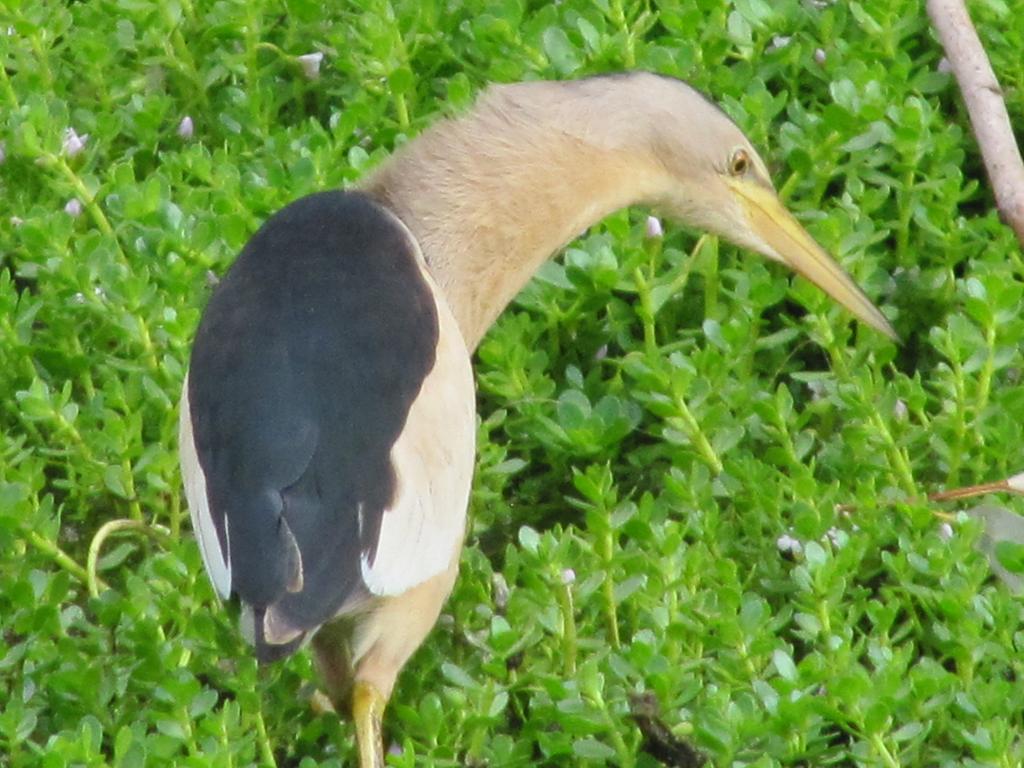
(218, 563)
(433, 460)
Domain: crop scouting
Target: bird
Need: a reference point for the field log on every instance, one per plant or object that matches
(327, 418)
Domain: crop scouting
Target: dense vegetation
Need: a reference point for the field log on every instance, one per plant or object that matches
(667, 425)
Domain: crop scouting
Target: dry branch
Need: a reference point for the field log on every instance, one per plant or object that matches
(985, 105)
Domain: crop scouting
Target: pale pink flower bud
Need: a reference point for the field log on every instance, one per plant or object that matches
(310, 63)
(787, 543)
(653, 227)
(74, 144)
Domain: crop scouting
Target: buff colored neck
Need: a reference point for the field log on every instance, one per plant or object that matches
(493, 194)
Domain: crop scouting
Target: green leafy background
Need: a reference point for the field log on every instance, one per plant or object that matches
(655, 414)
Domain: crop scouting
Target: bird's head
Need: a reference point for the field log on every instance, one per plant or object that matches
(714, 179)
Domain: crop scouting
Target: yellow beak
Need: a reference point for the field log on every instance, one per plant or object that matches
(793, 246)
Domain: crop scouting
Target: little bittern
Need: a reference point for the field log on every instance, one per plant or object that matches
(327, 421)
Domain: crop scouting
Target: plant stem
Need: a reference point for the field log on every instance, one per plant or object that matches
(266, 751)
(985, 377)
(646, 311)
(883, 751)
(696, 434)
(606, 550)
(711, 280)
(58, 555)
(565, 604)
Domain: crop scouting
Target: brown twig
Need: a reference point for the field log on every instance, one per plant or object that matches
(984, 100)
(659, 741)
(1013, 484)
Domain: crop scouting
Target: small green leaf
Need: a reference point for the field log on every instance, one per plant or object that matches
(592, 749)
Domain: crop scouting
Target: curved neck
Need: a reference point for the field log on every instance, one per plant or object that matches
(491, 195)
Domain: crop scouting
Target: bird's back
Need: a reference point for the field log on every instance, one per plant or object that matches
(307, 361)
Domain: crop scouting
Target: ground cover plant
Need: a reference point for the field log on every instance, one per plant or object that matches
(667, 424)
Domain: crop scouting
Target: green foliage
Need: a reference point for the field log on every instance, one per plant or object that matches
(655, 414)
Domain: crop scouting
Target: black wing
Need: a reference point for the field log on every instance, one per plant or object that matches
(306, 362)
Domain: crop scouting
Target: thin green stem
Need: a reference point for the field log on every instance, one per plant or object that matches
(266, 751)
(71, 431)
(956, 448)
(179, 51)
(646, 311)
(87, 381)
(252, 63)
(565, 605)
(789, 185)
(129, 487)
(985, 377)
(401, 105)
(711, 280)
(606, 549)
(906, 213)
(176, 516)
(883, 751)
(402, 108)
(696, 434)
(12, 97)
(265, 46)
(40, 54)
(187, 10)
(897, 456)
(58, 555)
(618, 15)
(626, 756)
(87, 198)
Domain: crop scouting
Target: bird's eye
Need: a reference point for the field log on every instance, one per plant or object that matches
(740, 163)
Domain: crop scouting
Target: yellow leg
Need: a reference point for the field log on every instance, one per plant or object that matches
(367, 712)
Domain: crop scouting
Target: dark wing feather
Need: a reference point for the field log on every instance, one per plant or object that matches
(307, 360)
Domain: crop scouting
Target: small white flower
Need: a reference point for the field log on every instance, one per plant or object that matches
(818, 389)
(310, 63)
(73, 207)
(787, 543)
(74, 144)
(186, 128)
(837, 536)
(899, 410)
(780, 41)
(945, 531)
(16, 221)
(568, 576)
(653, 227)
(820, 56)
(499, 592)
(602, 352)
